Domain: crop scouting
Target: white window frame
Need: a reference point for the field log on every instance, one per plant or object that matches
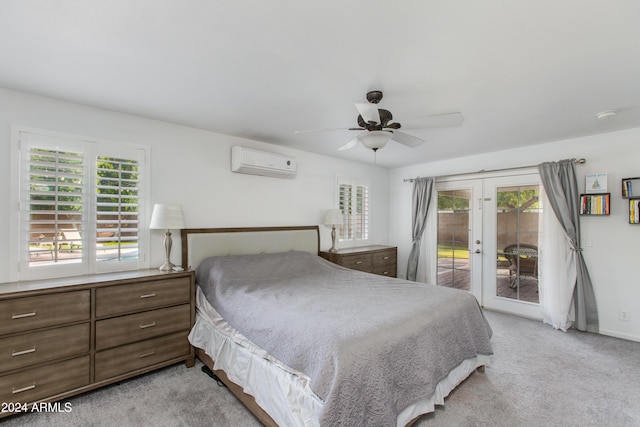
(19, 216)
(354, 183)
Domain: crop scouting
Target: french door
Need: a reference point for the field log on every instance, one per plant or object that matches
(460, 236)
(487, 243)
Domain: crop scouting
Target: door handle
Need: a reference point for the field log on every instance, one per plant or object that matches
(477, 251)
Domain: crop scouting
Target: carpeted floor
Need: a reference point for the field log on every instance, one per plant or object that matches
(538, 377)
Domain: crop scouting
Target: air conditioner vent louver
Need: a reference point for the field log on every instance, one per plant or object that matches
(253, 162)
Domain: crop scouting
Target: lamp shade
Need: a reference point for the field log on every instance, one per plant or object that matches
(375, 139)
(333, 217)
(167, 217)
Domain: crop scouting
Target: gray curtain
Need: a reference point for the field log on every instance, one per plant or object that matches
(561, 186)
(422, 189)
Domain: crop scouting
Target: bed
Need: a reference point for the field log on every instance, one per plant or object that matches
(304, 342)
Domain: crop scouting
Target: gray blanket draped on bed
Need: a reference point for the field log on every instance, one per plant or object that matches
(370, 345)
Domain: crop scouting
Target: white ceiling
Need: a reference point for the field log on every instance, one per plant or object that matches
(521, 72)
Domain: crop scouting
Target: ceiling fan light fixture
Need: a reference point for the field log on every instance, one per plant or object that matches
(375, 139)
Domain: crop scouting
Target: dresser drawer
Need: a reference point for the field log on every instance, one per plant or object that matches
(44, 381)
(120, 360)
(44, 346)
(113, 300)
(385, 263)
(362, 262)
(22, 314)
(137, 327)
(384, 257)
(388, 270)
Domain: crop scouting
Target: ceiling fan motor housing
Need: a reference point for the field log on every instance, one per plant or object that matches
(374, 96)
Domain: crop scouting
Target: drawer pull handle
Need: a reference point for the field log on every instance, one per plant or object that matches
(148, 325)
(151, 353)
(23, 315)
(358, 262)
(20, 353)
(385, 273)
(151, 295)
(20, 390)
(385, 258)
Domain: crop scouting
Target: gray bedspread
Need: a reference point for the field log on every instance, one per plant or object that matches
(371, 345)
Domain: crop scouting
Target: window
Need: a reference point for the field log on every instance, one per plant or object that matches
(117, 208)
(81, 206)
(353, 201)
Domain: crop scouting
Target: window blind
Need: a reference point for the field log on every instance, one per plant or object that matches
(81, 206)
(117, 208)
(56, 209)
(354, 204)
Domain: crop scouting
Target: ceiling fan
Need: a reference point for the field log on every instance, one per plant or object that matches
(379, 127)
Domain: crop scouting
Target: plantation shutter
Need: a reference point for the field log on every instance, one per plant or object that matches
(56, 211)
(353, 201)
(81, 206)
(117, 208)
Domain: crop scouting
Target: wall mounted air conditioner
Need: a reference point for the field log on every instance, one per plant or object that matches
(246, 160)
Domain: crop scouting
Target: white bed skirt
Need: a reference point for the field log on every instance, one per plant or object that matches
(282, 392)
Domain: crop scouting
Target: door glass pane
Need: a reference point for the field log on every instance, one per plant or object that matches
(453, 238)
(518, 213)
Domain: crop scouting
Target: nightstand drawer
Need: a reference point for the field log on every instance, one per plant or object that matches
(44, 381)
(124, 299)
(362, 262)
(121, 360)
(137, 327)
(22, 314)
(37, 347)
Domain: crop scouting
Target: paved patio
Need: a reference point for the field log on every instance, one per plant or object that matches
(526, 288)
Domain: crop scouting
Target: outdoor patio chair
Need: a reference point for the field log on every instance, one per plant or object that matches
(523, 261)
(73, 238)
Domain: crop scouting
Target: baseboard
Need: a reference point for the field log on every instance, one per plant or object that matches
(620, 335)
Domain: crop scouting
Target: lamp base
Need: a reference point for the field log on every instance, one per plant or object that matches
(333, 249)
(167, 266)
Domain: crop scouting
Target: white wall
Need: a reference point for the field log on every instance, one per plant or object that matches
(612, 257)
(192, 167)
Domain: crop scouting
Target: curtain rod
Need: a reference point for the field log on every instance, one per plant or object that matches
(576, 161)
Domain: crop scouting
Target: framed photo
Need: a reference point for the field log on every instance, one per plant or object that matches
(595, 183)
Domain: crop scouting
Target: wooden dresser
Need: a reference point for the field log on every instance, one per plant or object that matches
(376, 259)
(62, 337)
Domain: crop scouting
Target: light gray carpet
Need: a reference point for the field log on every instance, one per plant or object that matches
(538, 377)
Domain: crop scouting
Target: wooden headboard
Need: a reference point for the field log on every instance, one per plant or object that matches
(201, 243)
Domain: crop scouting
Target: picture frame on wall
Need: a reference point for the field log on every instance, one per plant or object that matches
(596, 183)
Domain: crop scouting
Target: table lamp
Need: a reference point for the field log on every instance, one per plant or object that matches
(333, 217)
(167, 217)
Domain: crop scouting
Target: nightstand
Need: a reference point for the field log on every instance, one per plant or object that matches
(376, 259)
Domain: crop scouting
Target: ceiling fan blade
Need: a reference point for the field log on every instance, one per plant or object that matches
(349, 145)
(369, 112)
(393, 125)
(439, 120)
(406, 139)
